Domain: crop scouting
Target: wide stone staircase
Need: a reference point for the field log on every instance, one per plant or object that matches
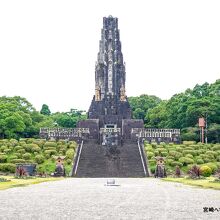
(94, 162)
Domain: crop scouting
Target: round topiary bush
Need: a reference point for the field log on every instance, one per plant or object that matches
(185, 161)
(18, 161)
(39, 159)
(70, 154)
(2, 148)
(150, 155)
(192, 152)
(152, 170)
(189, 156)
(16, 148)
(164, 153)
(7, 151)
(21, 151)
(50, 144)
(32, 147)
(179, 149)
(27, 156)
(176, 163)
(211, 154)
(68, 161)
(50, 152)
(213, 167)
(13, 157)
(200, 161)
(169, 161)
(216, 147)
(7, 167)
(205, 171)
(3, 158)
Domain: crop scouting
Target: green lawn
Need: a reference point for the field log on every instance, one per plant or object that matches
(14, 182)
(206, 183)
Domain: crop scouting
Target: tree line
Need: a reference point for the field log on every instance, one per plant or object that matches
(182, 111)
(18, 117)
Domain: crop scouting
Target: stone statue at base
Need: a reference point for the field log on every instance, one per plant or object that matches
(160, 170)
(59, 170)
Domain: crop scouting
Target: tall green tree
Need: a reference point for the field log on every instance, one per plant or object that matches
(45, 110)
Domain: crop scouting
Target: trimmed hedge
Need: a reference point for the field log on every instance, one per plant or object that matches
(70, 154)
(176, 163)
(3, 158)
(7, 167)
(185, 161)
(150, 155)
(200, 161)
(18, 161)
(50, 144)
(39, 159)
(205, 171)
(27, 156)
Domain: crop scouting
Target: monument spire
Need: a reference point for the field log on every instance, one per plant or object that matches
(110, 68)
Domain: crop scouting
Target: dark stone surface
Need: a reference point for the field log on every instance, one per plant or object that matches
(128, 124)
(93, 125)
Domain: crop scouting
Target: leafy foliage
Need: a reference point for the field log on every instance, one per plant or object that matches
(182, 111)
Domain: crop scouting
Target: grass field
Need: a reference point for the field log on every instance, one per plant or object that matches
(14, 182)
(205, 183)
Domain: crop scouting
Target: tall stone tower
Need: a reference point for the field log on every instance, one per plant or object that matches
(110, 108)
(110, 104)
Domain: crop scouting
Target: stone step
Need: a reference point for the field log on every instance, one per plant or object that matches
(94, 163)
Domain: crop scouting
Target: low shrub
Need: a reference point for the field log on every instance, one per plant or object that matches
(189, 156)
(70, 154)
(189, 142)
(68, 161)
(27, 156)
(176, 163)
(18, 155)
(50, 144)
(2, 148)
(212, 166)
(7, 167)
(190, 152)
(179, 149)
(7, 151)
(169, 161)
(21, 151)
(39, 159)
(185, 161)
(205, 171)
(18, 161)
(32, 147)
(211, 154)
(13, 157)
(150, 155)
(199, 161)
(3, 158)
(16, 148)
(50, 152)
(152, 169)
(164, 153)
(216, 148)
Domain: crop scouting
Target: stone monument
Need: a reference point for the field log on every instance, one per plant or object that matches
(110, 107)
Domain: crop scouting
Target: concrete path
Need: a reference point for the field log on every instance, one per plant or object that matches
(144, 198)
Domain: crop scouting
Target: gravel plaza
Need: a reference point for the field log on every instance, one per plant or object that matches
(92, 198)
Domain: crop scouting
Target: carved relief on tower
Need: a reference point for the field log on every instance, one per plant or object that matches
(122, 94)
(97, 93)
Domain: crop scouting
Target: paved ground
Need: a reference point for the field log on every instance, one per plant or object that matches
(90, 199)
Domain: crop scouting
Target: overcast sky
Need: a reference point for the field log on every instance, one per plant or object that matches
(48, 49)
